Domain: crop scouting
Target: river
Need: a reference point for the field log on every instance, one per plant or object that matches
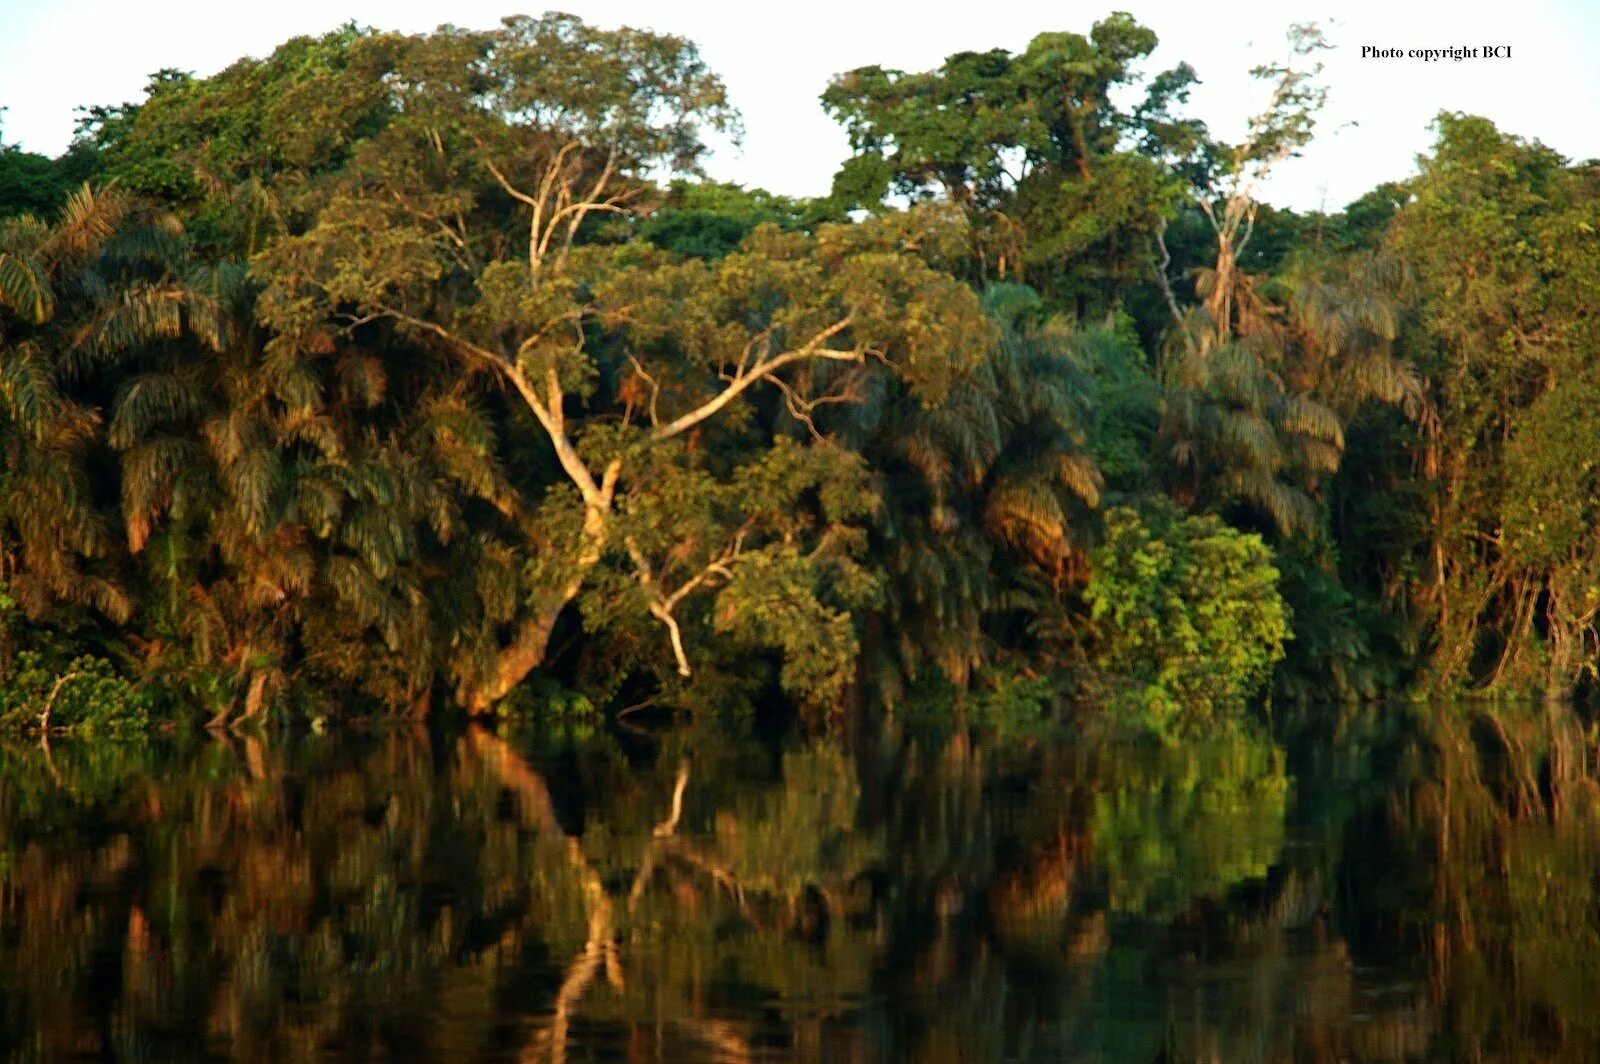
(1386, 883)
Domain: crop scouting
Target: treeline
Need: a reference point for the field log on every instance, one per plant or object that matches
(399, 373)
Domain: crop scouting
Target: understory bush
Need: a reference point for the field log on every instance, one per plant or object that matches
(1188, 620)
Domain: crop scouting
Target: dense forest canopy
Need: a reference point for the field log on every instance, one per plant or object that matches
(404, 373)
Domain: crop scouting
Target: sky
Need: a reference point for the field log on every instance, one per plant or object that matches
(56, 55)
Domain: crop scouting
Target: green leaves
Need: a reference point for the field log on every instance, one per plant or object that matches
(774, 598)
(435, 368)
(966, 127)
(1032, 147)
(1188, 617)
(24, 288)
(648, 93)
(28, 389)
(1504, 333)
(83, 697)
(767, 556)
(1552, 514)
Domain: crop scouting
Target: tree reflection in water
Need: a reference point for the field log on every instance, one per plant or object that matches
(1384, 885)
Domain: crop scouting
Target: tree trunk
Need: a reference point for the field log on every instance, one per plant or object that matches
(1220, 300)
(527, 650)
(513, 664)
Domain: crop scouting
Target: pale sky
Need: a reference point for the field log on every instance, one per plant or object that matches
(776, 58)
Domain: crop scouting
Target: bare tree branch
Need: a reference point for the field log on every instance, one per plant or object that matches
(1161, 273)
(763, 370)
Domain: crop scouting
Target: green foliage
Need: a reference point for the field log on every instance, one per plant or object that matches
(388, 371)
(1550, 516)
(1260, 382)
(86, 696)
(36, 185)
(1343, 647)
(1503, 275)
(708, 219)
(1125, 410)
(1033, 146)
(544, 699)
(988, 493)
(1189, 621)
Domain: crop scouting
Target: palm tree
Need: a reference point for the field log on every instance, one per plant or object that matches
(251, 514)
(985, 494)
(1260, 383)
(76, 295)
(302, 514)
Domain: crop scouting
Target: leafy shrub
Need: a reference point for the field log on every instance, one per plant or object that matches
(542, 696)
(87, 696)
(1188, 618)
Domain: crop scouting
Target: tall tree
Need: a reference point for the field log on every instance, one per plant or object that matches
(76, 295)
(619, 356)
(1505, 329)
(1263, 372)
(988, 491)
(1035, 147)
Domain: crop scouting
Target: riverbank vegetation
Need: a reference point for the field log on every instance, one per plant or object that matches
(389, 373)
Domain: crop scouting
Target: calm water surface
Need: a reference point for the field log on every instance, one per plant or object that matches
(1381, 886)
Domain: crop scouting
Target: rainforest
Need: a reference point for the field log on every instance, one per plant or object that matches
(474, 587)
(404, 375)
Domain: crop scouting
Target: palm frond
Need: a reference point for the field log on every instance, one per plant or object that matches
(25, 288)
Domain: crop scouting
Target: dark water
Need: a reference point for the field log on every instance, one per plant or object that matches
(1380, 886)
